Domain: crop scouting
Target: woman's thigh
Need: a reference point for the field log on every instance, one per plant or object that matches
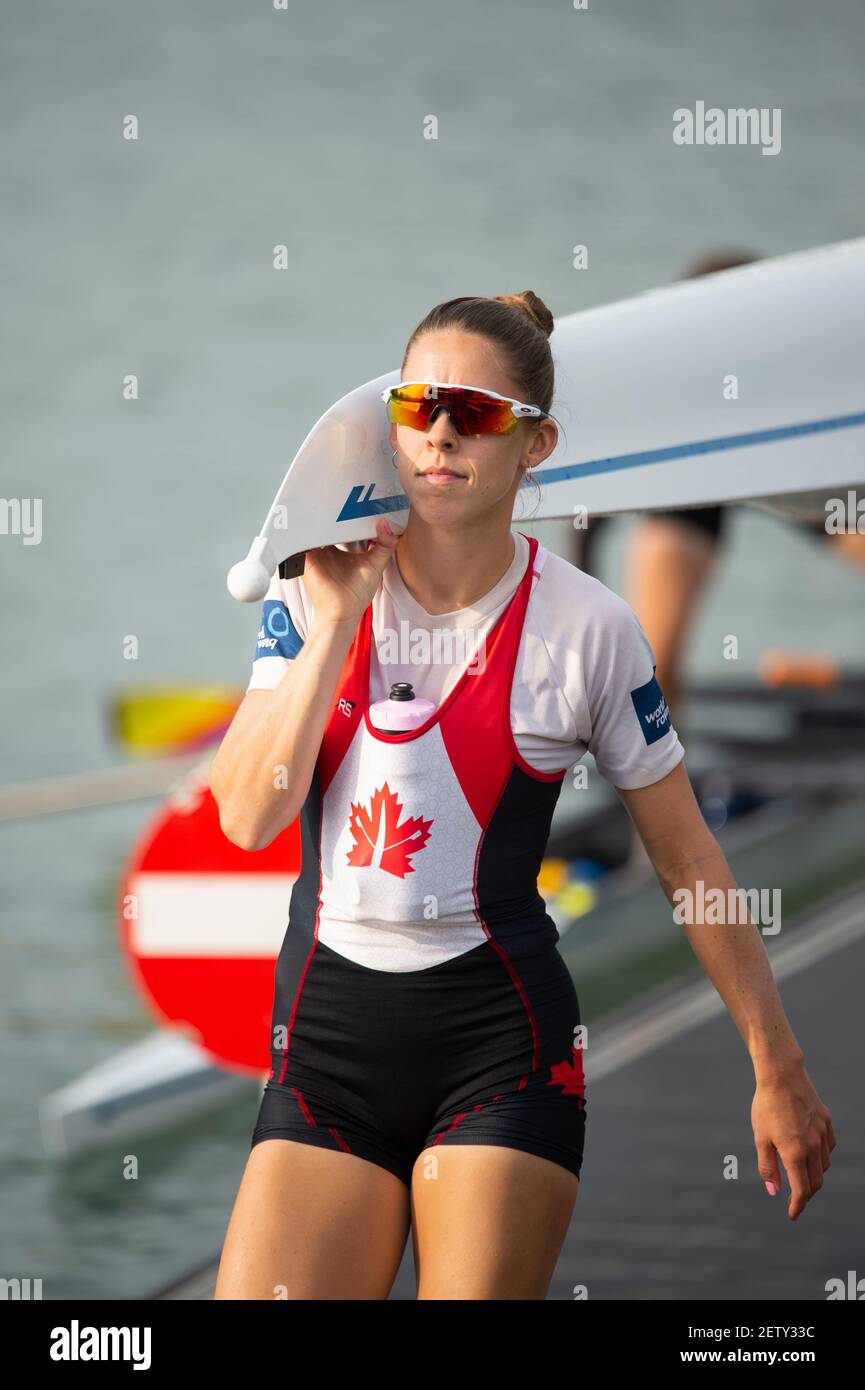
(488, 1222)
(312, 1223)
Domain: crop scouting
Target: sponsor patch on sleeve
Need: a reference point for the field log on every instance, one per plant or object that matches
(652, 710)
(277, 635)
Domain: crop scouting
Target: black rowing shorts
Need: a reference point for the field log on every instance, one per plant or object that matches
(388, 1064)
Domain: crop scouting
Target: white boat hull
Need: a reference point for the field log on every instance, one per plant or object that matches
(749, 383)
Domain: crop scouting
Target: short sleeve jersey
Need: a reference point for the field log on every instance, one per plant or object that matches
(584, 679)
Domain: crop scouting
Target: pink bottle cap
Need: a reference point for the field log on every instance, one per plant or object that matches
(402, 710)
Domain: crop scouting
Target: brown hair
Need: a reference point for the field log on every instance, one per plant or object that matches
(520, 323)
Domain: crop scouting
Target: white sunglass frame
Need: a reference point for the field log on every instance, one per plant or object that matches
(519, 408)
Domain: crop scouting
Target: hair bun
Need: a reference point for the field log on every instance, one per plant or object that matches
(534, 307)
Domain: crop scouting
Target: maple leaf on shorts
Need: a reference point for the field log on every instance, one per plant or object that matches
(569, 1075)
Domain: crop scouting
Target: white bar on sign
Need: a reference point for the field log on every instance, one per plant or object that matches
(213, 915)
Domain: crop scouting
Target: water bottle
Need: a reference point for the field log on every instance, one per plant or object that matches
(402, 710)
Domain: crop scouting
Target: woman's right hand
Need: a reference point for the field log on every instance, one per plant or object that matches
(341, 583)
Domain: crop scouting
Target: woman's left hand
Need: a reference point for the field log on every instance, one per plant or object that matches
(789, 1119)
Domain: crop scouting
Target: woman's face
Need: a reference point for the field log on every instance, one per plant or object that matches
(451, 477)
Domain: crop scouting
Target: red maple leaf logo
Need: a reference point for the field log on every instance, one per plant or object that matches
(380, 839)
(569, 1075)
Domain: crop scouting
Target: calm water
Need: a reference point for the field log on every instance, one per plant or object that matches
(260, 127)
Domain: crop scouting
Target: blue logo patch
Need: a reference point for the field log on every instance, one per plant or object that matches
(652, 710)
(277, 635)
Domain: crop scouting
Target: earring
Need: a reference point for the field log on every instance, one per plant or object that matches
(393, 457)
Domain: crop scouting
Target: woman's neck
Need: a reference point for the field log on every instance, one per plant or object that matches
(446, 569)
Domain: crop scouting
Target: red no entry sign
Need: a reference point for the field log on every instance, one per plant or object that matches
(202, 923)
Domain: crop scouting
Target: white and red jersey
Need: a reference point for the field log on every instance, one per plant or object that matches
(417, 846)
(584, 674)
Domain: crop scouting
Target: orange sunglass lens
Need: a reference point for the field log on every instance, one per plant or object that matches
(471, 411)
(409, 406)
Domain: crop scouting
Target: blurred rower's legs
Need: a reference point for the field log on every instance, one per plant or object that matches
(668, 565)
(849, 546)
